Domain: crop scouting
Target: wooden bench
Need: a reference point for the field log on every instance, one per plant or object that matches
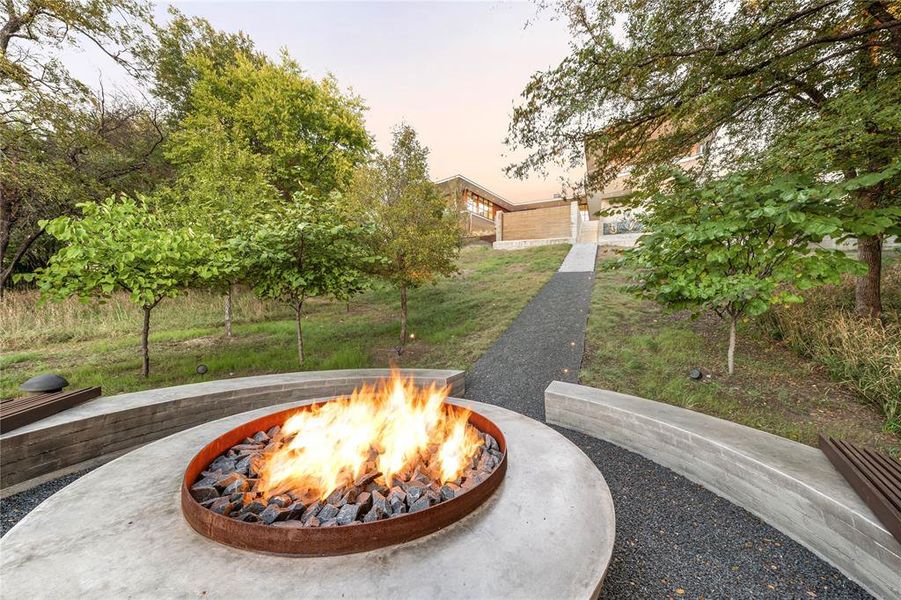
(17, 412)
(875, 476)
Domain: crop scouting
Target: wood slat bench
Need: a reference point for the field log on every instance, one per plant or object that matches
(876, 477)
(16, 412)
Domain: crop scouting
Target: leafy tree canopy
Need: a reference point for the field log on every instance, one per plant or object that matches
(309, 134)
(179, 43)
(305, 248)
(121, 245)
(644, 81)
(802, 86)
(63, 141)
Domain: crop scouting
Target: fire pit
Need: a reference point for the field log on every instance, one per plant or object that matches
(385, 465)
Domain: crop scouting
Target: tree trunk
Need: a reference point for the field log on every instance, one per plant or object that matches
(298, 308)
(867, 293)
(403, 315)
(730, 355)
(145, 349)
(228, 310)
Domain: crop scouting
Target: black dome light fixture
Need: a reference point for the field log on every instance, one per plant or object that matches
(44, 384)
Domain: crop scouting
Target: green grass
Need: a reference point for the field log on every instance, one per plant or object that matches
(633, 347)
(453, 321)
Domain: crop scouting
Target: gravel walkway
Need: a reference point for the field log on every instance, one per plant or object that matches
(673, 537)
(13, 508)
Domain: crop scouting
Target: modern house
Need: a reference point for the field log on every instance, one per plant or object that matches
(489, 215)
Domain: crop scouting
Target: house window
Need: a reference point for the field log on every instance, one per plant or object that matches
(479, 206)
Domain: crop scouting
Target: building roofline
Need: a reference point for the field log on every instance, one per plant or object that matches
(500, 200)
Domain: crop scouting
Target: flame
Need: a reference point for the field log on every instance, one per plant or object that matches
(389, 428)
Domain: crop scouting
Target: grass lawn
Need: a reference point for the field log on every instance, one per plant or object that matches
(633, 347)
(453, 322)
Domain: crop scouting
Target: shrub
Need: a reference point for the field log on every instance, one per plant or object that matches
(863, 353)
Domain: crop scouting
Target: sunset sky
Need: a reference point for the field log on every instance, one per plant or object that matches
(451, 69)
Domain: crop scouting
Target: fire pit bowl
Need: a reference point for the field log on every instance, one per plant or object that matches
(335, 540)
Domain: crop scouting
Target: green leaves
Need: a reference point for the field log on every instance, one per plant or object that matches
(737, 245)
(306, 248)
(414, 227)
(121, 245)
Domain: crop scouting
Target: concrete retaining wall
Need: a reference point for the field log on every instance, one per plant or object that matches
(102, 429)
(791, 486)
(520, 244)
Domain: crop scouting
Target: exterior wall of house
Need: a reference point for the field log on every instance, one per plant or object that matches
(537, 224)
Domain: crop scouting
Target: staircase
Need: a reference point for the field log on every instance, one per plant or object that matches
(589, 232)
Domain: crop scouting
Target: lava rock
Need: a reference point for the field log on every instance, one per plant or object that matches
(280, 501)
(379, 501)
(364, 501)
(204, 493)
(248, 517)
(273, 513)
(328, 512)
(334, 497)
(311, 511)
(228, 479)
(329, 523)
(449, 491)
(222, 506)
(421, 504)
(414, 492)
(243, 464)
(273, 431)
(239, 486)
(255, 507)
(223, 464)
(294, 510)
(376, 513)
(313, 522)
(396, 501)
(348, 514)
(366, 478)
(260, 437)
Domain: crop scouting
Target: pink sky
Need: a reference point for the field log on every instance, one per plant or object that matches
(453, 70)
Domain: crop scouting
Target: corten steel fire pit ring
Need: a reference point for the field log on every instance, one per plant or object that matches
(328, 541)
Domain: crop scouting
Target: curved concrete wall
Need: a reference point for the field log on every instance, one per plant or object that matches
(789, 485)
(100, 430)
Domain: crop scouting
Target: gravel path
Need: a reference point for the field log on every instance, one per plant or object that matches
(13, 508)
(673, 537)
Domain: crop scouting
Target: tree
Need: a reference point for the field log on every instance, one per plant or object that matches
(222, 193)
(308, 134)
(644, 81)
(120, 245)
(737, 245)
(416, 230)
(62, 141)
(179, 44)
(252, 133)
(303, 249)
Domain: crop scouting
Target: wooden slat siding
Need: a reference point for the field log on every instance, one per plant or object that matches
(29, 409)
(540, 223)
(874, 476)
